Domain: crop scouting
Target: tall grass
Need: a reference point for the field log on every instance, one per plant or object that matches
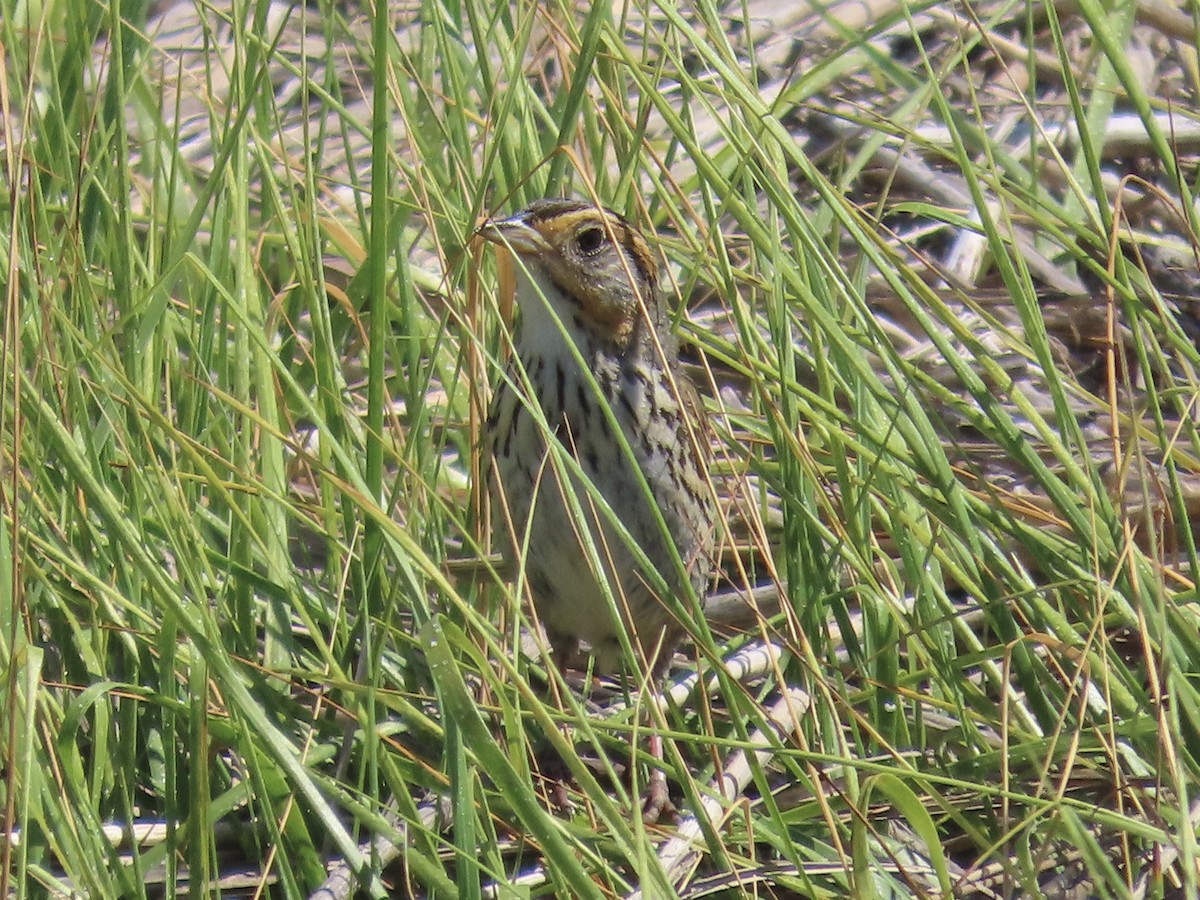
(247, 339)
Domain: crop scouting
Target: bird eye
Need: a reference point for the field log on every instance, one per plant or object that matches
(590, 240)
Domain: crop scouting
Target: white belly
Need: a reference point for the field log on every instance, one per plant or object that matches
(585, 580)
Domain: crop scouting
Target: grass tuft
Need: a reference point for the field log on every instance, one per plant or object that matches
(935, 275)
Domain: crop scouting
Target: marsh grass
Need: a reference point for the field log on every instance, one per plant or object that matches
(241, 405)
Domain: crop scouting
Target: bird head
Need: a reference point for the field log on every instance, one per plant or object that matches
(588, 261)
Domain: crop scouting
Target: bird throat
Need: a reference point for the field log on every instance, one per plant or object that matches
(553, 314)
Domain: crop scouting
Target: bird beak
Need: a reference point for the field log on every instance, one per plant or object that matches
(516, 234)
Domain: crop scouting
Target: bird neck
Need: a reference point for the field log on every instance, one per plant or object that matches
(549, 319)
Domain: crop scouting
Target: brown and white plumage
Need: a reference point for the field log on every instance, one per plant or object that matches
(589, 297)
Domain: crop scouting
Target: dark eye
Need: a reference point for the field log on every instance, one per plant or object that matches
(590, 240)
